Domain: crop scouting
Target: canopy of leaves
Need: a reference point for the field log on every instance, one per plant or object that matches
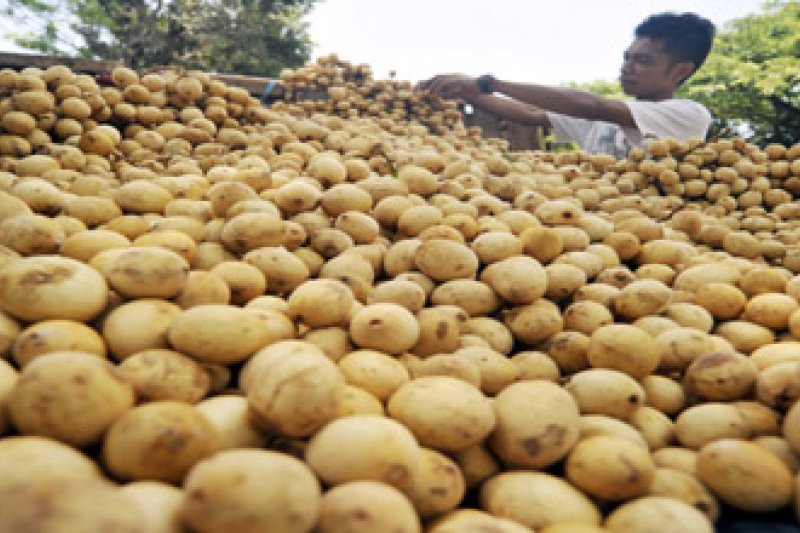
(238, 36)
(751, 80)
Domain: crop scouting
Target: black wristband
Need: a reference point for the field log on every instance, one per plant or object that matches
(484, 83)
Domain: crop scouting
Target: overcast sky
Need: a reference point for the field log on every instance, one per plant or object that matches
(550, 41)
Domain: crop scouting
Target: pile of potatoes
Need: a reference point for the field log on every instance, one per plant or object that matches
(219, 316)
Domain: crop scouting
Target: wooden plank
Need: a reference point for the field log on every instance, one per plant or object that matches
(19, 61)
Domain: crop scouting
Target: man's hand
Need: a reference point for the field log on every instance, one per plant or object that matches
(451, 86)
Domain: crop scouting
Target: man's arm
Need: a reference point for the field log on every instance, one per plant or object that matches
(572, 102)
(510, 109)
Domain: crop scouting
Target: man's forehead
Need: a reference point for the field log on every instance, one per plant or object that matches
(646, 45)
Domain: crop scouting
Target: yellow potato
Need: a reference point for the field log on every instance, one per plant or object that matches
(537, 424)
(158, 441)
(159, 504)
(607, 392)
(610, 468)
(537, 500)
(366, 506)
(54, 336)
(625, 348)
(704, 423)
(364, 448)
(657, 514)
(69, 396)
(165, 375)
(217, 333)
(50, 287)
(745, 475)
(138, 325)
(251, 490)
(384, 327)
(375, 372)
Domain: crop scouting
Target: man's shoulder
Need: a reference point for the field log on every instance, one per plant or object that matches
(682, 105)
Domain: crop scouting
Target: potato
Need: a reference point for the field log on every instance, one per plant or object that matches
(745, 475)
(605, 392)
(92, 506)
(593, 425)
(721, 376)
(494, 246)
(656, 427)
(249, 491)
(283, 270)
(31, 234)
(158, 441)
(686, 488)
(537, 500)
(564, 280)
(610, 468)
(56, 335)
(170, 239)
(771, 354)
(400, 292)
(321, 303)
(536, 365)
(457, 415)
(244, 281)
(495, 333)
(229, 415)
(586, 317)
(375, 372)
(144, 272)
(8, 381)
(780, 447)
(476, 464)
(496, 370)
(744, 336)
(438, 485)
(292, 387)
(249, 231)
(49, 287)
(159, 505)
(334, 342)
(625, 348)
(534, 323)
(364, 448)
(771, 310)
(681, 459)
(384, 327)
(86, 244)
(537, 424)
(444, 365)
(356, 401)
(217, 333)
(27, 458)
(366, 506)
(70, 396)
(472, 520)
(138, 325)
(518, 280)
(641, 298)
(474, 297)
(657, 514)
(165, 375)
(704, 423)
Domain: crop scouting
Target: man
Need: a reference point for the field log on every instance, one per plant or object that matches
(667, 49)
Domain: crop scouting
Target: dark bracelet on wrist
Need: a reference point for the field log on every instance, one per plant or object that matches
(485, 83)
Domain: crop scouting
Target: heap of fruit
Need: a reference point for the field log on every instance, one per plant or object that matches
(356, 314)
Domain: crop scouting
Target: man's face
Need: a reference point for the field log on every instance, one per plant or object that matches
(648, 73)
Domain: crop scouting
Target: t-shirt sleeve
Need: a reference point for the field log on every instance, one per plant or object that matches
(680, 119)
(569, 129)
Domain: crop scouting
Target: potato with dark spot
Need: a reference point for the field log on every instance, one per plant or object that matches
(657, 514)
(50, 287)
(54, 336)
(384, 327)
(496, 370)
(534, 323)
(686, 488)
(165, 375)
(444, 413)
(283, 270)
(90, 506)
(445, 260)
(610, 468)
(438, 485)
(537, 423)
(69, 396)
(144, 272)
(600, 391)
(474, 297)
(364, 448)
(321, 303)
(707, 422)
(366, 507)
(625, 348)
(721, 376)
(158, 441)
(251, 491)
(537, 500)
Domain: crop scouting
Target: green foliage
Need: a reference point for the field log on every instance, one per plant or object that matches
(241, 36)
(752, 76)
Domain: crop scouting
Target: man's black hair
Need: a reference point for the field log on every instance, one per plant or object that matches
(685, 36)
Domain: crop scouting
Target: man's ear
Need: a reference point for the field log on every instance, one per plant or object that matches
(681, 70)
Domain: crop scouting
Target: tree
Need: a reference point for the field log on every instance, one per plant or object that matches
(752, 76)
(242, 36)
(751, 79)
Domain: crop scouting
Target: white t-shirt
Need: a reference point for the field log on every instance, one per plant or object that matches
(676, 118)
